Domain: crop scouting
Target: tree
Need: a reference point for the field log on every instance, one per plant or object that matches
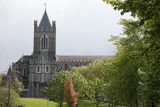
(148, 20)
(4, 97)
(99, 90)
(91, 71)
(81, 86)
(70, 94)
(15, 83)
(124, 80)
(55, 88)
(8, 96)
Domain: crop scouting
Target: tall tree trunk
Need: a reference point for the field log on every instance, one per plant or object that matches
(61, 101)
(136, 101)
(61, 104)
(112, 104)
(143, 104)
(153, 104)
(97, 103)
(109, 104)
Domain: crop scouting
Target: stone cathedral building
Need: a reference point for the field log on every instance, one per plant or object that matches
(36, 69)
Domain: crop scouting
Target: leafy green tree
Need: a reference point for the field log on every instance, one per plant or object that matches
(94, 75)
(99, 90)
(13, 80)
(10, 88)
(124, 79)
(148, 20)
(55, 88)
(81, 86)
(4, 97)
(91, 71)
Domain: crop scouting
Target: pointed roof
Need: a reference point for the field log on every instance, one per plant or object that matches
(45, 21)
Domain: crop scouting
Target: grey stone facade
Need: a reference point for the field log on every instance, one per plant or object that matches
(36, 69)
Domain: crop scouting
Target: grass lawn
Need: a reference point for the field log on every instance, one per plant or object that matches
(34, 102)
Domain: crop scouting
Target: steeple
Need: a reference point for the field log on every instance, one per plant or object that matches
(45, 37)
(45, 20)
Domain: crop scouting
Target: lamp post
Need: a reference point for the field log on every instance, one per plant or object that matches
(37, 90)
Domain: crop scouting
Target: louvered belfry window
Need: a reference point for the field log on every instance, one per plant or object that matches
(44, 42)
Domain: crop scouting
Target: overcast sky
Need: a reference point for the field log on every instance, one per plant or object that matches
(83, 27)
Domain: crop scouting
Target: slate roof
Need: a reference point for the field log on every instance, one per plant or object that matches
(45, 21)
(61, 58)
(66, 58)
(24, 59)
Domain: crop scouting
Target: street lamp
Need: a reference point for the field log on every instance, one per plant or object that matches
(37, 90)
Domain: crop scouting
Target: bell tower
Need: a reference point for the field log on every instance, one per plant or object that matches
(41, 65)
(45, 36)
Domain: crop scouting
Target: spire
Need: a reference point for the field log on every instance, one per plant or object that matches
(45, 20)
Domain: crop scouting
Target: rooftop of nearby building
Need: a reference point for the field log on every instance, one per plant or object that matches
(81, 58)
(67, 58)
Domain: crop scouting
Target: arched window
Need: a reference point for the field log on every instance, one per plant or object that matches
(38, 69)
(44, 42)
(47, 69)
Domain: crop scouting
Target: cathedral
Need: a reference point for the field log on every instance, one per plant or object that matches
(36, 69)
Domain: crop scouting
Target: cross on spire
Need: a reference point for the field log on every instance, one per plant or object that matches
(45, 5)
(45, 20)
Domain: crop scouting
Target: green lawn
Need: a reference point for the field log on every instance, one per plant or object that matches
(33, 102)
